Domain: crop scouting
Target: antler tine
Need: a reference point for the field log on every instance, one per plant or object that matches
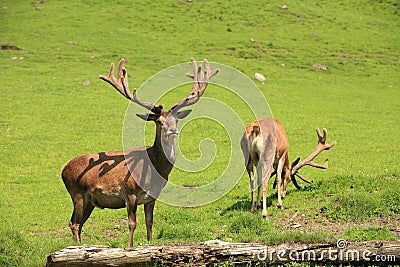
(209, 71)
(149, 106)
(304, 179)
(121, 85)
(123, 77)
(322, 139)
(309, 160)
(195, 70)
(196, 76)
(200, 82)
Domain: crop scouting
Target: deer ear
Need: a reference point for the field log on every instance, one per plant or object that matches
(183, 114)
(147, 116)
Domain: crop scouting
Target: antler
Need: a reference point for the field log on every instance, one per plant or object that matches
(309, 160)
(121, 84)
(200, 83)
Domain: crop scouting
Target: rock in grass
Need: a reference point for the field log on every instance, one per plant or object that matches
(320, 66)
(86, 83)
(295, 225)
(260, 77)
(282, 6)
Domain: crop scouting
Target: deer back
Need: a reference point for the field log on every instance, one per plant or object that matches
(264, 138)
(109, 176)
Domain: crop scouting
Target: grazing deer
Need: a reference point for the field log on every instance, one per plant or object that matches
(265, 145)
(130, 178)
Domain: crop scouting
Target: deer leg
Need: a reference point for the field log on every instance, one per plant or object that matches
(86, 213)
(279, 181)
(74, 227)
(148, 213)
(259, 183)
(272, 175)
(250, 171)
(253, 203)
(286, 179)
(76, 216)
(265, 188)
(131, 204)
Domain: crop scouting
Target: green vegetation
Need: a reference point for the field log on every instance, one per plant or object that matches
(49, 116)
(359, 234)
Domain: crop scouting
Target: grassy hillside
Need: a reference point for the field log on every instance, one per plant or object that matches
(51, 49)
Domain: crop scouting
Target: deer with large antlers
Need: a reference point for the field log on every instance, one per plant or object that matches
(116, 180)
(265, 145)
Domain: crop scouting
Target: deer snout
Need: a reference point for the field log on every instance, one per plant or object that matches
(173, 131)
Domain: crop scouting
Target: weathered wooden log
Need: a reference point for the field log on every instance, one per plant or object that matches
(215, 251)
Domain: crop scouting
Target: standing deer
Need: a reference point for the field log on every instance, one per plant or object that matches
(265, 145)
(130, 178)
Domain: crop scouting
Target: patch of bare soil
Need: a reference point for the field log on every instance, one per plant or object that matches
(306, 224)
(120, 227)
(53, 233)
(9, 47)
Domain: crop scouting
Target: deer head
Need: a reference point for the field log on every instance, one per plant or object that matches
(166, 120)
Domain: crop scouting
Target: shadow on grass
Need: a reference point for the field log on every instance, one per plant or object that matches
(245, 204)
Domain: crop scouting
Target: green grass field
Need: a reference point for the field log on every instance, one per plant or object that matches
(49, 116)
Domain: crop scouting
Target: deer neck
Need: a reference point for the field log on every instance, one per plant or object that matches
(163, 153)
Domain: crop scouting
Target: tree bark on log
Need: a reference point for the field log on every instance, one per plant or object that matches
(215, 251)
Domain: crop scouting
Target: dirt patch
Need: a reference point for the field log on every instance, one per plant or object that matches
(52, 233)
(9, 47)
(306, 224)
(117, 228)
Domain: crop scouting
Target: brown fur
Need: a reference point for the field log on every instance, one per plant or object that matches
(265, 145)
(116, 180)
(130, 178)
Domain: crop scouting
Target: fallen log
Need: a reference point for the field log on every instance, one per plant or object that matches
(216, 251)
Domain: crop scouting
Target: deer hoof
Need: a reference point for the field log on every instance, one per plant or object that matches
(254, 207)
(264, 214)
